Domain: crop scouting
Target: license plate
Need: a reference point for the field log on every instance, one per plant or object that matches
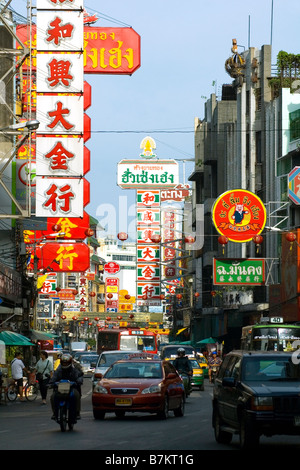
(297, 420)
(123, 402)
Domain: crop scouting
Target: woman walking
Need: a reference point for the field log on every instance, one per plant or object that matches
(44, 370)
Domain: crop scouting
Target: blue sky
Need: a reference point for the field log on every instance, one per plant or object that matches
(184, 47)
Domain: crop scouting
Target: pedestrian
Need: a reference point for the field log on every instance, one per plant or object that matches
(44, 371)
(17, 369)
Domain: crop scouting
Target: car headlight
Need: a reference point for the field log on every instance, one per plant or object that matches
(262, 403)
(99, 389)
(152, 389)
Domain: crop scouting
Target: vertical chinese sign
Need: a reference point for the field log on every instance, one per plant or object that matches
(60, 189)
(149, 177)
(62, 159)
(148, 252)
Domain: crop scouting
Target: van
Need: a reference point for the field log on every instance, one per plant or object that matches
(78, 346)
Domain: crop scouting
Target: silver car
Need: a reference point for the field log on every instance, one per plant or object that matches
(106, 359)
(87, 362)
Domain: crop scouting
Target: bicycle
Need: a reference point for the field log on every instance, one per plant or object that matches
(12, 391)
(32, 388)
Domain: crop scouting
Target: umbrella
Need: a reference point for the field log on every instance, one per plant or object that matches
(10, 338)
(36, 335)
(207, 341)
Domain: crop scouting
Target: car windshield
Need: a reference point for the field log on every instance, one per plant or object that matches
(132, 370)
(195, 363)
(107, 360)
(273, 368)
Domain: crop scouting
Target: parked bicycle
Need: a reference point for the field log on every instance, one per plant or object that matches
(30, 389)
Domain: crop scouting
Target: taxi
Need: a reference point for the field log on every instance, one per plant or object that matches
(197, 380)
(140, 382)
(203, 364)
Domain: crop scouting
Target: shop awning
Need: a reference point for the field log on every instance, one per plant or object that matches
(10, 338)
(36, 335)
(208, 341)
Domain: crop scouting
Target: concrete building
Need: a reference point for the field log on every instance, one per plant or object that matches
(234, 148)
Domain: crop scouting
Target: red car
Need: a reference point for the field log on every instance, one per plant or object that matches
(139, 384)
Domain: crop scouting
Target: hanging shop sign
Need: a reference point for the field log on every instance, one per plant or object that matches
(147, 217)
(111, 50)
(59, 30)
(44, 309)
(111, 294)
(61, 114)
(239, 271)
(148, 253)
(111, 267)
(144, 234)
(64, 156)
(73, 228)
(294, 185)
(61, 197)
(59, 73)
(156, 174)
(148, 291)
(178, 194)
(148, 272)
(63, 257)
(60, 4)
(148, 199)
(239, 215)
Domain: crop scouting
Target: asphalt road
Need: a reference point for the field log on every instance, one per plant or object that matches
(28, 426)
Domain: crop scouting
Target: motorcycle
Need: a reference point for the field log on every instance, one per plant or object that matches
(186, 382)
(64, 404)
(214, 373)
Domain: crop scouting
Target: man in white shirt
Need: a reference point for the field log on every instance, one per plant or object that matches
(17, 368)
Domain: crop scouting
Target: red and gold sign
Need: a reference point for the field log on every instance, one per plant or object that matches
(73, 228)
(239, 215)
(63, 257)
(111, 50)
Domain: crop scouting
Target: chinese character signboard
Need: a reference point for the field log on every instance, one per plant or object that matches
(111, 294)
(63, 257)
(61, 159)
(239, 271)
(239, 215)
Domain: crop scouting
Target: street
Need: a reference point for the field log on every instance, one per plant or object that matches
(27, 426)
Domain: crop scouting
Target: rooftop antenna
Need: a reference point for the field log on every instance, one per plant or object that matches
(271, 39)
(249, 32)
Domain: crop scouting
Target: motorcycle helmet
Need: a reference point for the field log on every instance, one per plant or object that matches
(66, 361)
(181, 351)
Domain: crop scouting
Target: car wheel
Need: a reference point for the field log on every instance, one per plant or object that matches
(222, 437)
(201, 388)
(98, 414)
(163, 414)
(178, 412)
(249, 438)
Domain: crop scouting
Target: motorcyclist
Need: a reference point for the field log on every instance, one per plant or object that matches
(67, 371)
(214, 361)
(182, 364)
